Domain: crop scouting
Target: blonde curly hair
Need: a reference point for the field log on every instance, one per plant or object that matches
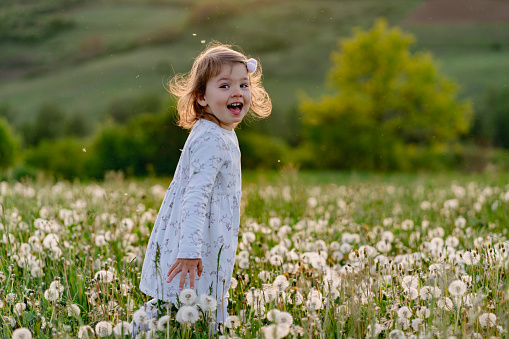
(188, 87)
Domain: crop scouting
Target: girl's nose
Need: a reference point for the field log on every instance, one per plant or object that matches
(237, 92)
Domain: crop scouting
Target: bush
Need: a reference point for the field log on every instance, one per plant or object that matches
(492, 119)
(64, 158)
(8, 145)
(148, 144)
(260, 151)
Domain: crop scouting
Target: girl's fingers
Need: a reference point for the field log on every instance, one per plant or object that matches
(172, 267)
(173, 271)
(200, 268)
(183, 275)
(191, 278)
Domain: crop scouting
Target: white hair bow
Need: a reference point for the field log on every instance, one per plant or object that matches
(251, 65)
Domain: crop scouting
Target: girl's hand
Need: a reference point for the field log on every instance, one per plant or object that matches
(185, 266)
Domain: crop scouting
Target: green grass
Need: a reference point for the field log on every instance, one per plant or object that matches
(348, 219)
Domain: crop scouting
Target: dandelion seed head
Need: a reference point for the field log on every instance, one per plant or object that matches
(397, 334)
(281, 283)
(404, 312)
(86, 332)
(272, 314)
(73, 310)
(103, 329)
(284, 318)
(270, 294)
(470, 257)
(139, 317)
(19, 308)
(457, 288)
(264, 275)
(22, 333)
(188, 296)
(487, 320)
(187, 314)
(276, 260)
(275, 331)
(445, 303)
(233, 284)
(232, 321)
(122, 328)
(51, 294)
(163, 323)
(104, 276)
(208, 303)
(244, 263)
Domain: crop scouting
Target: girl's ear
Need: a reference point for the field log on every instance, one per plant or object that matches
(200, 98)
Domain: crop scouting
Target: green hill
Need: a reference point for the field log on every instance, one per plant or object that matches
(82, 55)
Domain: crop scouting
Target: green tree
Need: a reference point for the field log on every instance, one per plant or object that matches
(388, 103)
(8, 145)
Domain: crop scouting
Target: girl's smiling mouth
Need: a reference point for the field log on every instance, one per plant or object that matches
(235, 107)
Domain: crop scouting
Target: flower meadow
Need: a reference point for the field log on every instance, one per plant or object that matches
(385, 258)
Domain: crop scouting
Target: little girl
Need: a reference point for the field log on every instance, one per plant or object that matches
(194, 239)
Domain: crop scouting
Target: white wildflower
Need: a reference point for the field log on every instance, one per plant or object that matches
(105, 276)
(187, 314)
(404, 312)
(397, 334)
(73, 310)
(445, 303)
(457, 288)
(100, 240)
(163, 323)
(19, 308)
(275, 331)
(244, 263)
(281, 283)
(270, 294)
(264, 275)
(51, 294)
(208, 303)
(140, 316)
(103, 329)
(22, 333)
(276, 260)
(51, 240)
(233, 284)
(57, 285)
(188, 297)
(411, 293)
(423, 312)
(272, 314)
(284, 318)
(487, 320)
(10, 298)
(232, 321)
(410, 281)
(470, 257)
(122, 328)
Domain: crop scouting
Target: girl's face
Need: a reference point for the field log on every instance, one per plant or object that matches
(227, 95)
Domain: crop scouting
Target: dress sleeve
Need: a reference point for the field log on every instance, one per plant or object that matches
(208, 153)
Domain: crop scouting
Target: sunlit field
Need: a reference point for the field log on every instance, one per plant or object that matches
(394, 257)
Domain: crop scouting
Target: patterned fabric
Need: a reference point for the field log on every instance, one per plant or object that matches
(199, 216)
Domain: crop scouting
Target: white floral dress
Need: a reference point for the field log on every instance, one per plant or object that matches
(199, 216)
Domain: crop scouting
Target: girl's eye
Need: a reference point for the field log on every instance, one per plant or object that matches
(244, 86)
(224, 86)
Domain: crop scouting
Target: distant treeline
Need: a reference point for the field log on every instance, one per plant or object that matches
(390, 110)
